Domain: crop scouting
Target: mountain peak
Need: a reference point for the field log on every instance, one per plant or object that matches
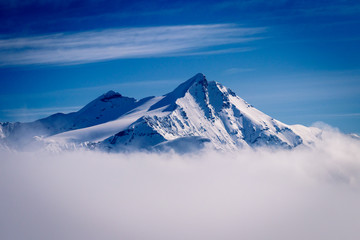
(199, 77)
(110, 95)
(179, 92)
(194, 111)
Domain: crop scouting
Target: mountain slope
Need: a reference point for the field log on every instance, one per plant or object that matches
(105, 108)
(196, 113)
(210, 111)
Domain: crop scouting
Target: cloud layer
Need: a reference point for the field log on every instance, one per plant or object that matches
(263, 194)
(101, 45)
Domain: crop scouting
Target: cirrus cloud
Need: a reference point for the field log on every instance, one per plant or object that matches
(109, 44)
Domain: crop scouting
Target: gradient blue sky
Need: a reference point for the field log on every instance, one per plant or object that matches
(298, 61)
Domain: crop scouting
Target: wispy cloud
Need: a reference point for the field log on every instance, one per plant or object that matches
(29, 113)
(355, 114)
(102, 45)
(231, 71)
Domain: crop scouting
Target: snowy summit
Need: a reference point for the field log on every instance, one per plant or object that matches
(197, 113)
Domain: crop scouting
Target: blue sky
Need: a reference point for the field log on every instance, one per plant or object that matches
(298, 61)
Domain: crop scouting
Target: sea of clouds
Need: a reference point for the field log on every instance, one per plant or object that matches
(250, 194)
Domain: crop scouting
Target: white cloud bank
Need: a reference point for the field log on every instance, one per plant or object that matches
(264, 194)
(101, 45)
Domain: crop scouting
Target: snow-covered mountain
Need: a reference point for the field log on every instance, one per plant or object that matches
(197, 113)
